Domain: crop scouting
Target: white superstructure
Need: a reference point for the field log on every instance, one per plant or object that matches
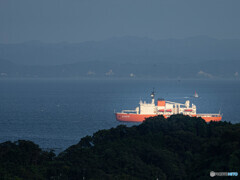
(163, 108)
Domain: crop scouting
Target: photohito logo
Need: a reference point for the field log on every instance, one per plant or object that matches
(212, 174)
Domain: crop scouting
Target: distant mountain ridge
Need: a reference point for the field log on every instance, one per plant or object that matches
(194, 57)
(123, 49)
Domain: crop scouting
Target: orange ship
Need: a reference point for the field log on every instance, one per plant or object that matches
(165, 108)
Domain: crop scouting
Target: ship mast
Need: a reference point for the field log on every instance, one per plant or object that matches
(152, 96)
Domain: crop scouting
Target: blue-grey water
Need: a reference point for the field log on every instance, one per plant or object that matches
(58, 113)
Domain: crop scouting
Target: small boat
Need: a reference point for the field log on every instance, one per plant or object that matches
(196, 95)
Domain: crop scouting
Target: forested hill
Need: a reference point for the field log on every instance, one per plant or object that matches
(179, 147)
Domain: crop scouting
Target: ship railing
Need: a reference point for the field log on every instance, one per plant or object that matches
(129, 111)
(170, 102)
(208, 115)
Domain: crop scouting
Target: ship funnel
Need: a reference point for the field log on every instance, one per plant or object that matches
(161, 102)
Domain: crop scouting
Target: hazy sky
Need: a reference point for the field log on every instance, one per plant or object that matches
(83, 20)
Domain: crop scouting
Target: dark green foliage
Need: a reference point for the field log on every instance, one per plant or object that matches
(23, 160)
(180, 147)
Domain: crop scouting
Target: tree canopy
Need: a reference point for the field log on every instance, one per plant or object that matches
(180, 147)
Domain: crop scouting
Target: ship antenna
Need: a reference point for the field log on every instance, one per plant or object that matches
(220, 109)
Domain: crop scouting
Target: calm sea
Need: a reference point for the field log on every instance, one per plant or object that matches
(58, 113)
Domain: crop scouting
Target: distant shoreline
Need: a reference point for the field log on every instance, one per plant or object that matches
(118, 78)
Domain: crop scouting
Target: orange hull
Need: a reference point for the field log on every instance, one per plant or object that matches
(132, 117)
(141, 117)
